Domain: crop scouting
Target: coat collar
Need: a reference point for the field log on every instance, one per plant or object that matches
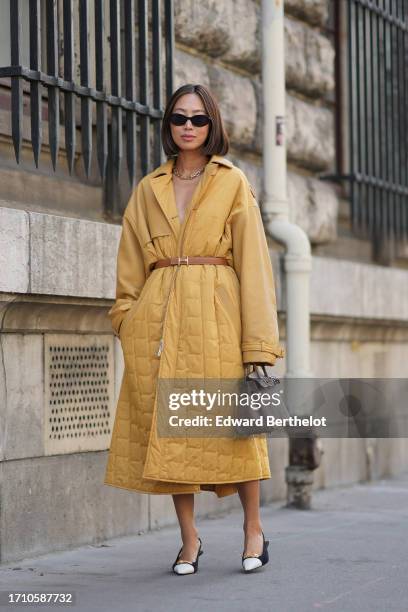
(162, 186)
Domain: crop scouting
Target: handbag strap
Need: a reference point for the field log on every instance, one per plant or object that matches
(256, 367)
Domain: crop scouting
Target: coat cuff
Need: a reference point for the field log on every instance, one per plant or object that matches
(261, 352)
(258, 357)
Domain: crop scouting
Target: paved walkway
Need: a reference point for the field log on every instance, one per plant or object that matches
(347, 554)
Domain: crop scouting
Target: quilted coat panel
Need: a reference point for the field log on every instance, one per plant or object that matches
(197, 321)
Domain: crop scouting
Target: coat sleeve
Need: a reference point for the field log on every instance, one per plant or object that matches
(252, 263)
(131, 271)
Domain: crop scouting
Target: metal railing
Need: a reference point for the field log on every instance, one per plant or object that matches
(128, 22)
(377, 121)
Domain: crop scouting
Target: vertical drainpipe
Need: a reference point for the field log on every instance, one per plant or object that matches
(297, 258)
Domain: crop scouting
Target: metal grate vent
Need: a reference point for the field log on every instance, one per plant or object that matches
(79, 392)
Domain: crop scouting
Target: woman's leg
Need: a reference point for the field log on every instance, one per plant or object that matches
(184, 505)
(249, 493)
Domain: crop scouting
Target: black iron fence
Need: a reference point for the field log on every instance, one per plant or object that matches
(134, 54)
(376, 117)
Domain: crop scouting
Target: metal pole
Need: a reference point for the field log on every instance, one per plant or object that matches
(297, 257)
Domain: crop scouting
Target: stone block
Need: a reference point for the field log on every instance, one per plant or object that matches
(236, 97)
(21, 411)
(309, 59)
(343, 462)
(274, 488)
(73, 256)
(310, 134)
(60, 502)
(358, 290)
(313, 11)
(313, 206)
(252, 170)
(14, 250)
(221, 29)
(189, 69)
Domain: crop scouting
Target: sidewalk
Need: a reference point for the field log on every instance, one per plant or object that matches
(347, 554)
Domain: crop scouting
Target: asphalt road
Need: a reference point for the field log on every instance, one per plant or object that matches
(347, 554)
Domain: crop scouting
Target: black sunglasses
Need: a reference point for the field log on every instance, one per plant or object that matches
(196, 120)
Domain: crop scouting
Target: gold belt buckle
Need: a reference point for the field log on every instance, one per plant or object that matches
(183, 259)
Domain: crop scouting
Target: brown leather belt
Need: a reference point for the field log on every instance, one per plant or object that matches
(187, 261)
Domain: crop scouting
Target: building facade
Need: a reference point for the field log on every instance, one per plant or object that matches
(61, 365)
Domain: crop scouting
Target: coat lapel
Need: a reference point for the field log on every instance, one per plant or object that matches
(162, 186)
(160, 181)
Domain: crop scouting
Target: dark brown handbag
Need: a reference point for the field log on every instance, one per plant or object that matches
(257, 380)
(260, 375)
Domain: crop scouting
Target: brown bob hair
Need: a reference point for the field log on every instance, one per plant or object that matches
(217, 142)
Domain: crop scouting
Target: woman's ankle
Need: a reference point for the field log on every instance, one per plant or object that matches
(252, 527)
(190, 535)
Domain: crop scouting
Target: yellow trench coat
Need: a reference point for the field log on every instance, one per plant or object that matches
(197, 321)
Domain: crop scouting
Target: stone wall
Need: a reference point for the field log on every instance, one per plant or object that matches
(218, 44)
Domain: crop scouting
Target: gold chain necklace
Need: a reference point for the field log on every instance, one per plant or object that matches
(190, 176)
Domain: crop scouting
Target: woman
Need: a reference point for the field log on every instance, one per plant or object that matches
(192, 319)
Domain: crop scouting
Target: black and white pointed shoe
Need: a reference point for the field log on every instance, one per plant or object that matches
(182, 567)
(252, 562)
